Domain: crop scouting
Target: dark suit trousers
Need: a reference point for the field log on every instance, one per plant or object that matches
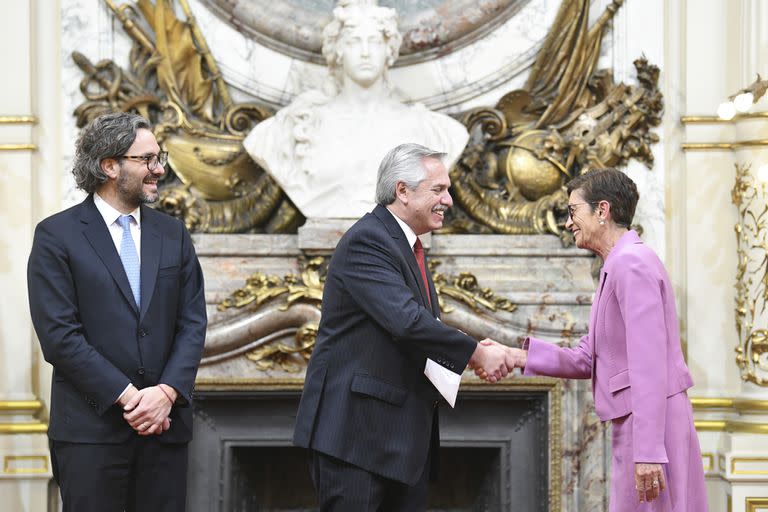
(140, 475)
(342, 487)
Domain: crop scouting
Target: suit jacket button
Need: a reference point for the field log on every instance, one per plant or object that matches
(141, 371)
(142, 333)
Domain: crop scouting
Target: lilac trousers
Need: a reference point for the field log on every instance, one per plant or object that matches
(684, 473)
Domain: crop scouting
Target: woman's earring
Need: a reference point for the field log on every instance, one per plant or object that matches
(602, 222)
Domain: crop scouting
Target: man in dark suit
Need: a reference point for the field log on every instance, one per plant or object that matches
(368, 413)
(116, 297)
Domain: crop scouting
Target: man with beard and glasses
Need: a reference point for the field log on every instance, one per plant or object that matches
(368, 412)
(116, 298)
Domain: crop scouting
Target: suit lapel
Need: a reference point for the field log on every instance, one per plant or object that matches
(150, 258)
(402, 243)
(97, 234)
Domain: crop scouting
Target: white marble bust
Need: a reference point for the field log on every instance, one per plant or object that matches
(324, 149)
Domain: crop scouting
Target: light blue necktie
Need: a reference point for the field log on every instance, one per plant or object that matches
(130, 257)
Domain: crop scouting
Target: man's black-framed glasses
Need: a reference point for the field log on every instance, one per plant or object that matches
(151, 160)
(572, 209)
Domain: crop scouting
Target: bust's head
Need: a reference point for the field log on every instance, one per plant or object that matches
(361, 42)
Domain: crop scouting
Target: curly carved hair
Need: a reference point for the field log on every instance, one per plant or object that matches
(346, 16)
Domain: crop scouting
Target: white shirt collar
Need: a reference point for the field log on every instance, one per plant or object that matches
(110, 214)
(409, 234)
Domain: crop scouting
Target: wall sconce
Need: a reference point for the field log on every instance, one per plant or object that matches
(743, 99)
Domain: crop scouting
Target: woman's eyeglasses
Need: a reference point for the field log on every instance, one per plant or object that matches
(572, 207)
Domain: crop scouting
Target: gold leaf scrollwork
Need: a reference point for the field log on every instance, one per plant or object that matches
(750, 197)
(267, 356)
(569, 117)
(490, 121)
(260, 288)
(465, 288)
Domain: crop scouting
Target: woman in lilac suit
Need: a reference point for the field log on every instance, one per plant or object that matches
(632, 354)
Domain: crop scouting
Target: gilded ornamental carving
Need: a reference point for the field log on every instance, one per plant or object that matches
(750, 195)
(568, 117)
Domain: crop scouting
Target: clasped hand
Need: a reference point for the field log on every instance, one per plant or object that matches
(146, 410)
(493, 361)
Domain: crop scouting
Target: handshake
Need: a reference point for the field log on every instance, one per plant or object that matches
(493, 361)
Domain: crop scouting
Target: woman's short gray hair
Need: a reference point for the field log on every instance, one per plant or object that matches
(403, 163)
(107, 136)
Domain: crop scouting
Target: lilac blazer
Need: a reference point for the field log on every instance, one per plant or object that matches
(632, 351)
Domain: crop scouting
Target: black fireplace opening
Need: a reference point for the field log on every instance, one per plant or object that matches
(277, 479)
(494, 454)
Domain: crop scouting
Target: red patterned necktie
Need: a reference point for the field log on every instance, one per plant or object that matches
(418, 251)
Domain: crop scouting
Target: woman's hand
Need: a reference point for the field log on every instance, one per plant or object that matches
(649, 481)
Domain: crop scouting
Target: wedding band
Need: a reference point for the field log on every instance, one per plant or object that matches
(655, 483)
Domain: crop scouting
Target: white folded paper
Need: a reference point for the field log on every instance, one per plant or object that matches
(446, 381)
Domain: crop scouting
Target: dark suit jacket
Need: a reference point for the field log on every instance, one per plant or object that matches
(93, 334)
(366, 399)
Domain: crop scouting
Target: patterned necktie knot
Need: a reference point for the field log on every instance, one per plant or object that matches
(130, 258)
(125, 221)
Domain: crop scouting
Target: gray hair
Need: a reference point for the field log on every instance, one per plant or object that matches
(403, 163)
(107, 136)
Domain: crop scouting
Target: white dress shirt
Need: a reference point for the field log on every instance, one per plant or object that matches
(110, 216)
